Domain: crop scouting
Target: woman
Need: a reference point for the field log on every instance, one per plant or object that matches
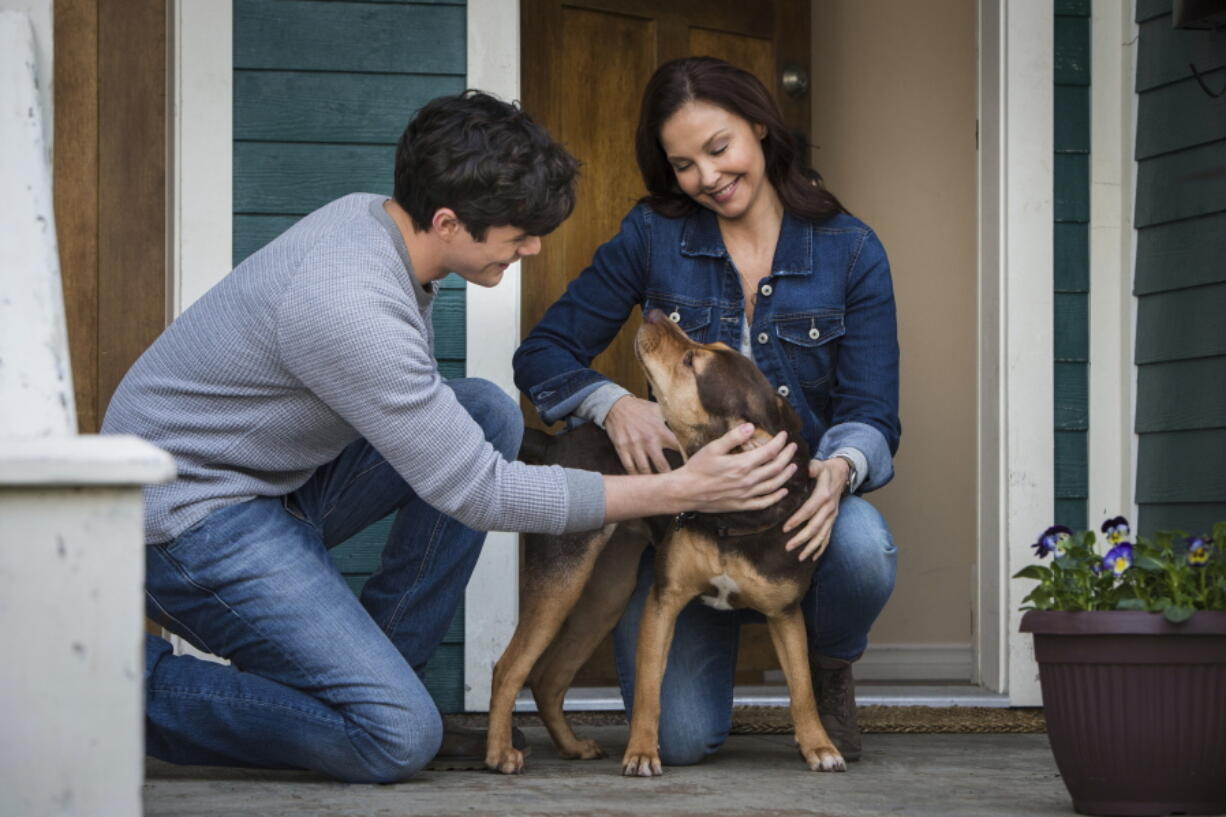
(737, 241)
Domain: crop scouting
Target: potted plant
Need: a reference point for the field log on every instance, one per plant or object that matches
(1130, 638)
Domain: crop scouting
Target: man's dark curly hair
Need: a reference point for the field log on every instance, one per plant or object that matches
(486, 160)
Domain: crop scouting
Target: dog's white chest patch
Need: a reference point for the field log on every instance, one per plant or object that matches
(725, 585)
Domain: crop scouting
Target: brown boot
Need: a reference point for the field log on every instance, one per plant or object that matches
(835, 689)
(463, 747)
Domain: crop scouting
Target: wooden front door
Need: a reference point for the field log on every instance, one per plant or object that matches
(585, 64)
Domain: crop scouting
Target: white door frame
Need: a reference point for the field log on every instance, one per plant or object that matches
(1016, 435)
(1015, 236)
(201, 148)
(491, 602)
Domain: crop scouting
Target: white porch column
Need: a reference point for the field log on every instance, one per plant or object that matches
(71, 527)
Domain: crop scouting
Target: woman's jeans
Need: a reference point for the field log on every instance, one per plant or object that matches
(319, 679)
(853, 581)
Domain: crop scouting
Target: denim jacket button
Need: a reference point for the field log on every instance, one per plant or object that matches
(762, 337)
(675, 316)
(767, 289)
(783, 391)
(815, 333)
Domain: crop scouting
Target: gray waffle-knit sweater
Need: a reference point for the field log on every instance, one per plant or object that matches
(320, 338)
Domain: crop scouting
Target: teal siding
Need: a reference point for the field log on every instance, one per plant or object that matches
(1180, 281)
(322, 92)
(1071, 264)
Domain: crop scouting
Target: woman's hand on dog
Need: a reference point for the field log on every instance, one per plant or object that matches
(637, 430)
(820, 510)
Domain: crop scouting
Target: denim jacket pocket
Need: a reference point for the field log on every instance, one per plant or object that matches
(806, 342)
(693, 319)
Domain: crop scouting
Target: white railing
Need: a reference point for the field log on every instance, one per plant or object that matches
(71, 529)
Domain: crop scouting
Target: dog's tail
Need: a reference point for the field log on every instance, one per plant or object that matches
(536, 443)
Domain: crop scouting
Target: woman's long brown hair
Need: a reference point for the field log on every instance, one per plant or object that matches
(739, 92)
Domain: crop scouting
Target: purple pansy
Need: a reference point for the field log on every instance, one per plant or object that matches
(1054, 539)
(1198, 550)
(1116, 530)
(1119, 558)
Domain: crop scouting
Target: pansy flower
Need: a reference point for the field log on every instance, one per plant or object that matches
(1198, 550)
(1116, 530)
(1054, 539)
(1119, 558)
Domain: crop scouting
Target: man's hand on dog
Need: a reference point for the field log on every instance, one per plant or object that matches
(818, 513)
(636, 428)
(719, 480)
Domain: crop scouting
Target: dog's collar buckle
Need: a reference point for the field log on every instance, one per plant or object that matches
(681, 519)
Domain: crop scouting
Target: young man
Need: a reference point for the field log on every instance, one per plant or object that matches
(301, 402)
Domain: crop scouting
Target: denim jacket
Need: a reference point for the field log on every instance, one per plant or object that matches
(823, 329)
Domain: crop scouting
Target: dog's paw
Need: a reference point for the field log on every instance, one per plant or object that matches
(505, 761)
(582, 750)
(824, 759)
(642, 763)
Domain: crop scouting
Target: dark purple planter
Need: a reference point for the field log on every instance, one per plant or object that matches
(1135, 709)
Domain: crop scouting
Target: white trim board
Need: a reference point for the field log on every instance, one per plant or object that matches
(200, 156)
(491, 602)
(201, 198)
(1112, 375)
(1016, 435)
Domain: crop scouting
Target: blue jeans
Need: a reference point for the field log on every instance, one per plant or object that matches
(853, 581)
(319, 679)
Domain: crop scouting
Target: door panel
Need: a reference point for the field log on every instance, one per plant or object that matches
(585, 64)
(755, 55)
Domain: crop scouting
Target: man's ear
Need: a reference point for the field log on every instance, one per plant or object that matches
(446, 223)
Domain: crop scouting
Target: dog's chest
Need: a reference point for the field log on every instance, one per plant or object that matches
(730, 582)
(724, 587)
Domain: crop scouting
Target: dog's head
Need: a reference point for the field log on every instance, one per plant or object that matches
(706, 389)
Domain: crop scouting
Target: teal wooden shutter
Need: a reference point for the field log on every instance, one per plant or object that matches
(1071, 242)
(1180, 282)
(322, 92)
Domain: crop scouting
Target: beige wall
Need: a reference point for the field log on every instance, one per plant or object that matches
(894, 135)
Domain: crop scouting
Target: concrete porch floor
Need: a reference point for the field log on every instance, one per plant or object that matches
(982, 775)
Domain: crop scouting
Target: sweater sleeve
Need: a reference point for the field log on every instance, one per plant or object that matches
(362, 349)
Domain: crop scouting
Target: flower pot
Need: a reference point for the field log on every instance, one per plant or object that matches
(1135, 709)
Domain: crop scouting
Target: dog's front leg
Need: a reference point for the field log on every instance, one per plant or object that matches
(791, 645)
(660, 612)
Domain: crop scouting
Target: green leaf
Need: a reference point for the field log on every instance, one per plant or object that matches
(1064, 563)
(1176, 614)
(1037, 572)
(1130, 604)
(1149, 563)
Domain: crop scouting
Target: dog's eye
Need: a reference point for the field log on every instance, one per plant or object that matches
(688, 359)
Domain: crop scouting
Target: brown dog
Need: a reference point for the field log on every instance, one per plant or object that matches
(573, 588)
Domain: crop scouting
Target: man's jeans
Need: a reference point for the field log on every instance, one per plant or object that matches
(853, 581)
(319, 680)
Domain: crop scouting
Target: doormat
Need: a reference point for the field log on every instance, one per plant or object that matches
(772, 720)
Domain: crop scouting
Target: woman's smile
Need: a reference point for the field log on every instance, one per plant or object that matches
(726, 192)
